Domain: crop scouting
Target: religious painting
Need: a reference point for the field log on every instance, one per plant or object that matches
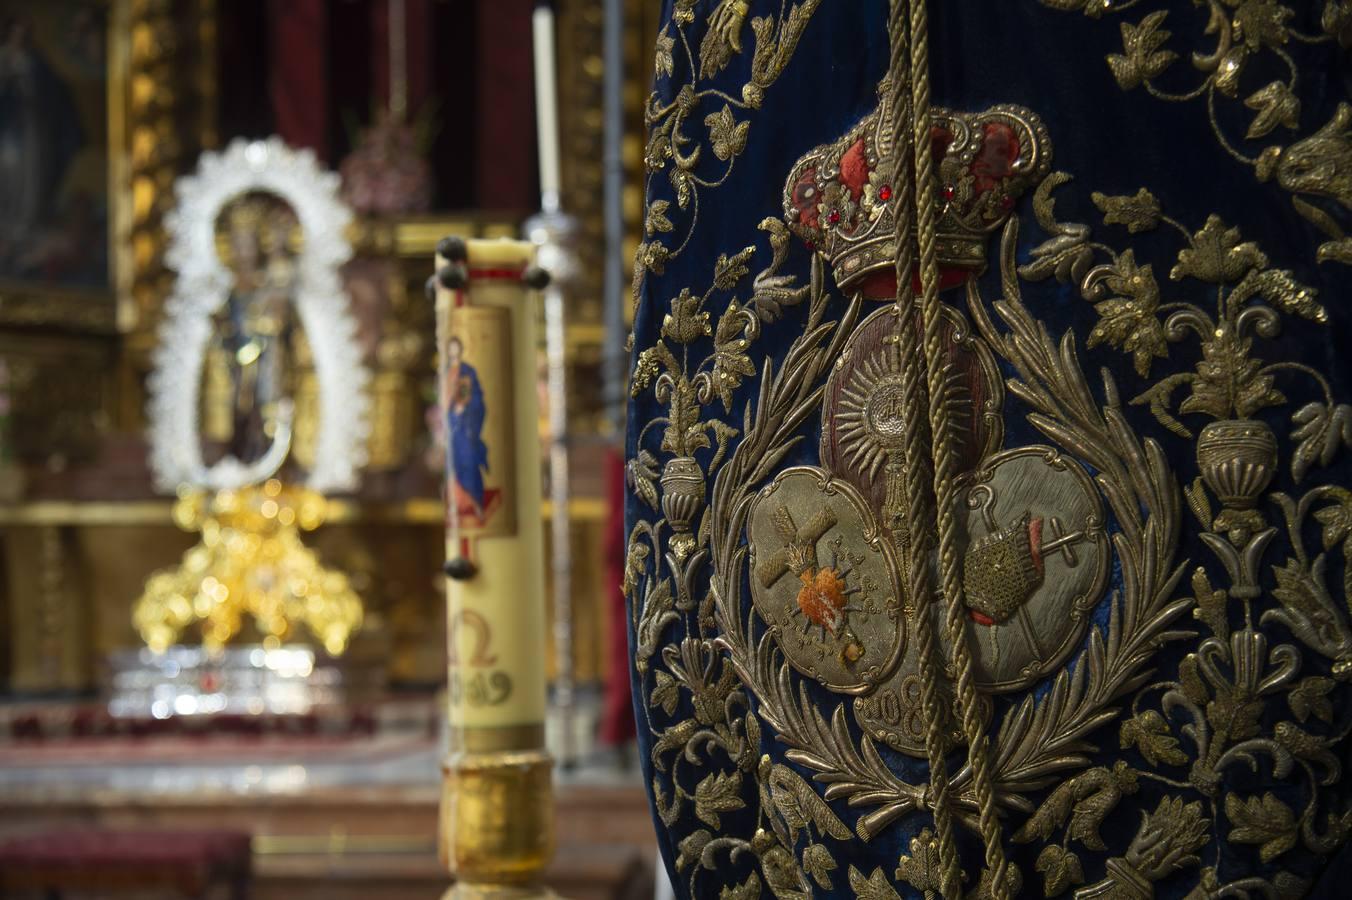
(57, 86)
(476, 381)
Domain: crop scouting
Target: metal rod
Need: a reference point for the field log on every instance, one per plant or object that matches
(552, 233)
(560, 531)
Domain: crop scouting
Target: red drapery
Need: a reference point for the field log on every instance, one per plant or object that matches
(494, 114)
(298, 59)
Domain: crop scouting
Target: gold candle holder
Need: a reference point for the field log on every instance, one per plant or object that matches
(497, 806)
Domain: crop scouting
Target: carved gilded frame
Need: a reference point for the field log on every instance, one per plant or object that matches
(160, 74)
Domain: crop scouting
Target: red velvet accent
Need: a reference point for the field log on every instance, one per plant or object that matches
(299, 86)
(882, 285)
(504, 133)
(1035, 543)
(879, 285)
(854, 169)
(807, 204)
(995, 162)
(940, 139)
(617, 715)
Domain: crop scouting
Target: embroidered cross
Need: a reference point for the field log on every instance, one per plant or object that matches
(799, 553)
(1061, 542)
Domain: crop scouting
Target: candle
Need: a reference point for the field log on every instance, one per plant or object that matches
(488, 404)
(496, 813)
(546, 108)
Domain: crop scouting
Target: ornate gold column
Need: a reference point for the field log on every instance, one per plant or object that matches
(497, 803)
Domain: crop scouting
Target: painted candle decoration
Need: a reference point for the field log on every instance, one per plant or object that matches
(488, 408)
(496, 807)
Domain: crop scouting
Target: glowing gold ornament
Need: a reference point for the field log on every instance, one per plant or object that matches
(250, 561)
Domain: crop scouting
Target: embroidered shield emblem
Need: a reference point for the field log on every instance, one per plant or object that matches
(1035, 564)
(824, 580)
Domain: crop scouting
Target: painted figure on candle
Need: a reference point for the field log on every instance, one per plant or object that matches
(465, 413)
(476, 421)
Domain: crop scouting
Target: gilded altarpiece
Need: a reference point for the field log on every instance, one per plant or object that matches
(85, 492)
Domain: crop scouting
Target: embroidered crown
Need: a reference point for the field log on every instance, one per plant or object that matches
(841, 197)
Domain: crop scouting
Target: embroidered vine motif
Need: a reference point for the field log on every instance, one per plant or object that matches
(729, 673)
(710, 760)
(1251, 38)
(766, 598)
(1227, 687)
(1230, 384)
(684, 158)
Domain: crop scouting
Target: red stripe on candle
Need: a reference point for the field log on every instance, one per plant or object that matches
(496, 274)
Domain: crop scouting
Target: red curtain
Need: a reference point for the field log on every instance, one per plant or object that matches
(298, 56)
(504, 133)
(493, 114)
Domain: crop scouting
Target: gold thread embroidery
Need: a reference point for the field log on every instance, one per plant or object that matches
(1247, 31)
(1190, 730)
(670, 149)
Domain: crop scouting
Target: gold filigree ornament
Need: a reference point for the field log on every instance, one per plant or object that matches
(1230, 686)
(1250, 36)
(684, 158)
(799, 562)
(250, 562)
(1042, 736)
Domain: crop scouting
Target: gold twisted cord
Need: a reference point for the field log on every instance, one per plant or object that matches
(945, 457)
(915, 453)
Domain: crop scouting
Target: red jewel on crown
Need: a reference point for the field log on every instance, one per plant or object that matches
(836, 197)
